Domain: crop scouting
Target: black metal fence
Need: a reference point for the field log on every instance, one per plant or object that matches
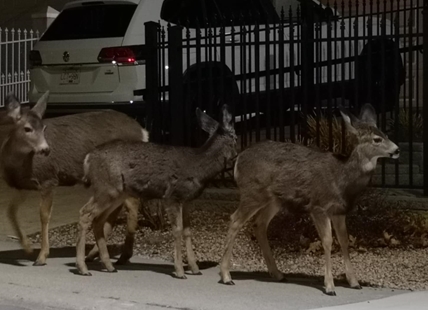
(285, 72)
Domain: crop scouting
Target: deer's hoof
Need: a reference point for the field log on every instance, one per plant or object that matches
(228, 282)
(114, 270)
(37, 263)
(183, 277)
(86, 274)
(197, 273)
(283, 280)
(332, 293)
(357, 287)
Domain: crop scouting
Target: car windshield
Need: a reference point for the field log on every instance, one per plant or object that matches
(91, 21)
(208, 12)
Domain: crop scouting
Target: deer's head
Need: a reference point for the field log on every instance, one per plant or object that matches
(29, 130)
(224, 132)
(371, 140)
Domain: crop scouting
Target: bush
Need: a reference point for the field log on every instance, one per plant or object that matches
(405, 124)
(319, 128)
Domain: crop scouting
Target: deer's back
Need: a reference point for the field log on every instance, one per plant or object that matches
(71, 137)
(147, 170)
(298, 176)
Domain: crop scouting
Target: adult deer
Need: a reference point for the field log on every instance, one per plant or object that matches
(176, 175)
(273, 176)
(42, 154)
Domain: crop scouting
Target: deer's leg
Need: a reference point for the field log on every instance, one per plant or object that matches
(187, 233)
(18, 198)
(323, 225)
(175, 214)
(98, 228)
(244, 212)
(45, 216)
(262, 221)
(85, 220)
(108, 227)
(132, 205)
(339, 224)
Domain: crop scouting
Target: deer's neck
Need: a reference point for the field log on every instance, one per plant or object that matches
(357, 172)
(16, 164)
(361, 161)
(209, 162)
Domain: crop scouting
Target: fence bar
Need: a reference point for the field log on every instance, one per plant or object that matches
(425, 98)
(307, 62)
(152, 86)
(292, 78)
(175, 74)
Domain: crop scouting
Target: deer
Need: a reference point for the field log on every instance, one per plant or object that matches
(273, 176)
(173, 174)
(39, 155)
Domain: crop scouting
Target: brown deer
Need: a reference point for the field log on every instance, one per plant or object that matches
(273, 176)
(42, 154)
(175, 175)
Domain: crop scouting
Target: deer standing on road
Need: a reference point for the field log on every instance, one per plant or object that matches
(42, 154)
(176, 175)
(273, 176)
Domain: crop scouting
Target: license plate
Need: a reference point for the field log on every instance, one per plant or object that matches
(70, 77)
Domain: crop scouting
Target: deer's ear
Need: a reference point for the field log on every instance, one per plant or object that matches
(206, 122)
(13, 107)
(368, 115)
(350, 120)
(227, 118)
(41, 104)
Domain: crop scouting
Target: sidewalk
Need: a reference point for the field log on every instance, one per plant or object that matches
(409, 301)
(147, 284)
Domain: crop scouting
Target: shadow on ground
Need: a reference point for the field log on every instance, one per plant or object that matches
(20, 258)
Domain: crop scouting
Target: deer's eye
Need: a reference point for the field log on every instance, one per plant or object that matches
(28, 129)
(377, 140)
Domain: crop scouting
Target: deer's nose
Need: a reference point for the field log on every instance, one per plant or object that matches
(46, 151)
(396, 154)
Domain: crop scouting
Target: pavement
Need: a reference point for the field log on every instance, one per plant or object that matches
(147, 284)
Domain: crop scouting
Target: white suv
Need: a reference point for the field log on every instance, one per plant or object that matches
(93, 54)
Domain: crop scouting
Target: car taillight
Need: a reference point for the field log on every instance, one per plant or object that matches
(124, 55)
(35, 59)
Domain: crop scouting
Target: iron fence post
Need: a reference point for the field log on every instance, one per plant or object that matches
(425, 96)
(307, 59)
(153, 123)
(175, 75)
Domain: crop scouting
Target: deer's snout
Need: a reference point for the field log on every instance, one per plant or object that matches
(395, 154)
(44, 148)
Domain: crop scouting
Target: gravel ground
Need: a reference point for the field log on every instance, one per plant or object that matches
(396, 268)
